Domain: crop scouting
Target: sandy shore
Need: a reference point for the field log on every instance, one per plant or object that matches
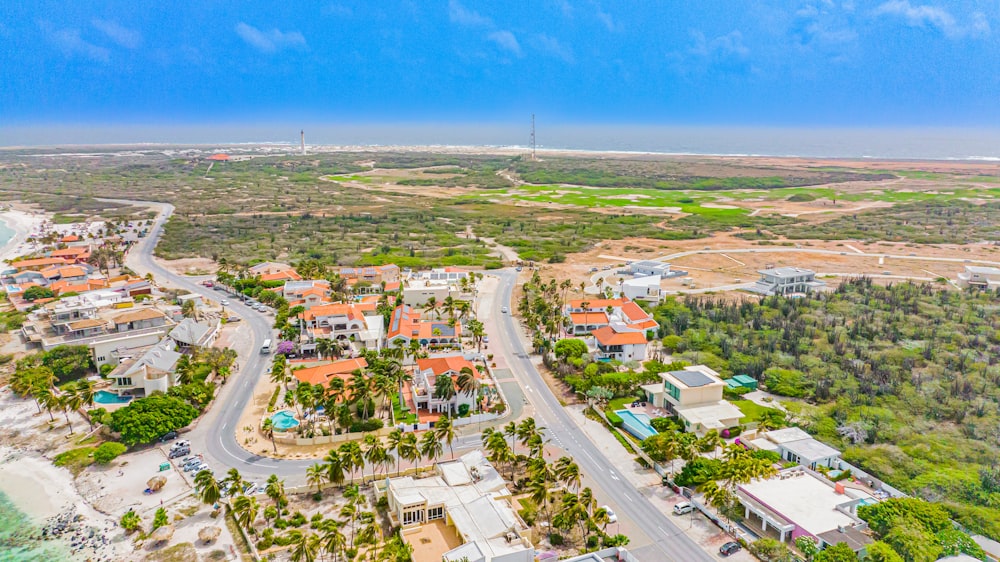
(23, 223)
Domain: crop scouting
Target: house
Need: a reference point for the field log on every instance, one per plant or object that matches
(645, 288)
(645, 268)
(618, 342)
(800, 503)
(417, 293)
(786, 281)
(190, 334)
(425, 377)
(978, 277)
(306, 293)
(36, 264)
(406, 325)
(77, 254)
(463, 512)
(695, 396)
(373, 274)
(286, 275)
(139, 319)
(321, 374)
(197, 299)
(152, 371)
(608, 311)
(795, 445)
(267, 268)
(359, 323)
(74, 273)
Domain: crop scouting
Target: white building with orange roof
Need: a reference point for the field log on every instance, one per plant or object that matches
(35, 264)
(374, 274)
(587, 315)
(405, 325)
(359, 323)
(322, 374)
(307, 293)
(425, 377)
(619, 342)
(286, 275)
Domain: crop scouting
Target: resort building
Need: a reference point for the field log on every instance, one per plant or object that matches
(425, 376)
(322, 374)
(695, 396)
(406, 325)
(357, 323)
(190, 334)
(978, 277)
(418, 293)
(800, 503)
(619, 342)
(786, 281)
(463, 512)
(649, 267)
(151, 371)
(795, 445)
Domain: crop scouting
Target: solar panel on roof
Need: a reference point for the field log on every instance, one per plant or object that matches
(692, 379)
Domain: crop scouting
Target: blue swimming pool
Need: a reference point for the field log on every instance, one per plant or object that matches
(284, 420)
(105, 397)
(636, 424)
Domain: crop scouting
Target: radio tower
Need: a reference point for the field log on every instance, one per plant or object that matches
(302, 140)
(532, 137)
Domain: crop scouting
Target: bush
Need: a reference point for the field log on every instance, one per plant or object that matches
(37, 292)
(786, 382)
(463, 410)
(297, 520)
(734, 393)
(274, 398)
(160, 518)
(613, 418)
(555, 539)
(698, 471)
(372, 424)
(107, 452)
(146, 419)
(106, 369)
(130, 521)
(666, 425)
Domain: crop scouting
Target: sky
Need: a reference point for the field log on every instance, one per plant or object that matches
(710, 62)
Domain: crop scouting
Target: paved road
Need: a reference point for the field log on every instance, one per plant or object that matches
(668, 542)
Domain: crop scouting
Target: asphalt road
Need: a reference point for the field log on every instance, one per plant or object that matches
(215, 434)
(667, 541)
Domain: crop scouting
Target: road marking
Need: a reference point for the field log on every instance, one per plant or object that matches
(615, 478)
(661, 529)
(626, 495)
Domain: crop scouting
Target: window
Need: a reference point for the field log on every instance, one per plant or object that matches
(413, 516)
(435, 513)
(101, 359)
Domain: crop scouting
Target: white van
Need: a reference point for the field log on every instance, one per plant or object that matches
(682, 508)
(266, 348)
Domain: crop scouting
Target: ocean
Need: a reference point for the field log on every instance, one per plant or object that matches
(6, 232)
(917, 143)
(18, 542)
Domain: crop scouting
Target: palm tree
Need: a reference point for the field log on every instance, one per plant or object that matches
(710, 442)
(85, 391)
(444, 430)
(539, 489)
(527, 429)
(371, 534)
(568, 472)
(478, 331)
(334, 467)
(601, 518)
(408, 448)
(268, 429)
(361, 391)
(246, 508)
(468, 385)
(334, 541)
(444, 388)
(383, 387)
(48, 400)
(352, 458)
(510, 430)
(375, 453)
(393, 440)
(430, 447)
(208, 487)
(305, 546)
(184, 370)
(325, 346)
(275, 490)
(69, 400)
(235, 481)
(316, 475)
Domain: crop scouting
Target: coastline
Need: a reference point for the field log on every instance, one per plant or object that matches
(23, 223)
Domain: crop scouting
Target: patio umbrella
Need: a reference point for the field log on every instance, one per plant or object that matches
(156, 483)
(163, 534)
(209, 534)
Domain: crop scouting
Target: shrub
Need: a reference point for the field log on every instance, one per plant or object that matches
(698, 471)
(106, 369)
(372, 424)
(107, 452)
(463, 410)
(555, 539)
(130, 521)
(160, 518)
(666, 425)
(274, 398)
(613, 418)
(146, 419)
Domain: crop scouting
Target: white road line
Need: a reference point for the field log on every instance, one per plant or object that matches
(626, 495)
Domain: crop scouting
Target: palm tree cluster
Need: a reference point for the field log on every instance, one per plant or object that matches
(541, 306)
(39, 383)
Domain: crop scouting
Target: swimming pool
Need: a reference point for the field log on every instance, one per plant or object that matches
(105, 397)
(636, 424)
(284, 420)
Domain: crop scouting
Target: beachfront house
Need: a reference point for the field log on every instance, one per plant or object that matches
(694, 395)
(786, 281)
(618, 342)
(151, 370)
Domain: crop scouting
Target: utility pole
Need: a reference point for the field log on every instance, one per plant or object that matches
(302, 141)
(532, 137)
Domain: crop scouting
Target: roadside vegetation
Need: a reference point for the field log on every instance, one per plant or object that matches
(901, 378)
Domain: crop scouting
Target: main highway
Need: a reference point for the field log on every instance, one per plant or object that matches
(215, 434)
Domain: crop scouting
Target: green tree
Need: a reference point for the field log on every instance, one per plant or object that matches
(207, 487)
(334, 467)
(160, 518)
(807, 546)
(910, 539)
(275, 489)
(316, 475)
(839, 552)
(146, 419)
(770, 550)
(879, 551)
(570, 348)
(352, 458)
(108, 451)
(444, 430)
(245, 510)
(430, 447)
(130, 521)
(36, 292)
(882, 516)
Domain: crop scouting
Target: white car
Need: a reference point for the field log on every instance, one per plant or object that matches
(612, 518)
(503, 310)
(224, 302)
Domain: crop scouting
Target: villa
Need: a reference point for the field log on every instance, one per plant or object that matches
(322, 374)
(463, 512)
(307, 293)
(268, 268)
(695, 396)
(359, 323)
(425, 376)
(645, 288)
(190, 334)
(786, 281)
(619, 342)
(795, 445)
(152, 371)
(800, 503)
(587, 315)
(406, 325)
(649, 268)
(978, 277)
(376, 275)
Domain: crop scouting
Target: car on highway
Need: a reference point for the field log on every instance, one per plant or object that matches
(504, 310)
(730, 548)
(612, 518)
(207, 283)
(224, 302)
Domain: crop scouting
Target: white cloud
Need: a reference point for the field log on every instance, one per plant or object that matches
(71, 44)
(461, 15)
(934, 17)
(505, 40)
(128, 38)
(552, 46)
(605, 18)
(725, 53)
(269, 41)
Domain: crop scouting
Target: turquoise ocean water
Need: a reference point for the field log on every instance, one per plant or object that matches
(18, 542)
(6, 232)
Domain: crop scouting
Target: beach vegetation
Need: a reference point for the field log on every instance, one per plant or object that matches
(146, 419)
(130, 521)
(108, 451)
(76, 459)
(160, 518)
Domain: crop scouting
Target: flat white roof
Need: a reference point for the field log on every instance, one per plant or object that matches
(803, 500)
(763, 444)
(710, 415)
(983, 269)
(680, 382)
(786, 271)
(781, 436)
(811, 449)
(647, 281)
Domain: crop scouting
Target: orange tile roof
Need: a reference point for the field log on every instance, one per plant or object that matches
(596, 304)
(70, 238)
(583, 318)
(69, 252)
(403, 322)
(287, 275)
(313, 291)
(351, 310)
(607, 336)
(394, 286)
(136, 315)
(645, 325)
(634, 312)
(426, 329)
(38, 262)
(441, 365)
(321, 374)
(219, 157)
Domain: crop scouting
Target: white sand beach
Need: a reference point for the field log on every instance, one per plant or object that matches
(38, 488)
(22, 223)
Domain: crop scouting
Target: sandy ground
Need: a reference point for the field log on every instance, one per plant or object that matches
(23, 222)
(190, 266)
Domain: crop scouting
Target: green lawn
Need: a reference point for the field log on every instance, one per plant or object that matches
(751, 410)
(401, 416)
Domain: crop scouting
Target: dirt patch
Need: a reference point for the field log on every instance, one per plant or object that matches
(190, 266)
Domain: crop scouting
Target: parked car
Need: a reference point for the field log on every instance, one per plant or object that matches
(250, 488)
(174, 453)
(189, 466)
(168, 436)
(192, 458)
(682, 508)
(207, 283)
(730, 548)
(195, 467)
(233, 318)
(180, 444)
(612, 518)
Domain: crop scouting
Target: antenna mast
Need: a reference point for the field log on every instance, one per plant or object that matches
(532, 137)
(302, 140)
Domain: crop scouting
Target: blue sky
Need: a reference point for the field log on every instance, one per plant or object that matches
(717, 62)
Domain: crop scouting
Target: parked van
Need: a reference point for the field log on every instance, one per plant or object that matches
(682, 508)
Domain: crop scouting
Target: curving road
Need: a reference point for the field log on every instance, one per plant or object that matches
(215, 433)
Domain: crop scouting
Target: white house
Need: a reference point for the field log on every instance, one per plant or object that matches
(694, 394)
(425, 377)
(620, 343)
(979, 277)
(190, 334)
(786, 281)
(795, 445)
(645, 288)
(356, 322)
(152, 371)
(649, 267)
